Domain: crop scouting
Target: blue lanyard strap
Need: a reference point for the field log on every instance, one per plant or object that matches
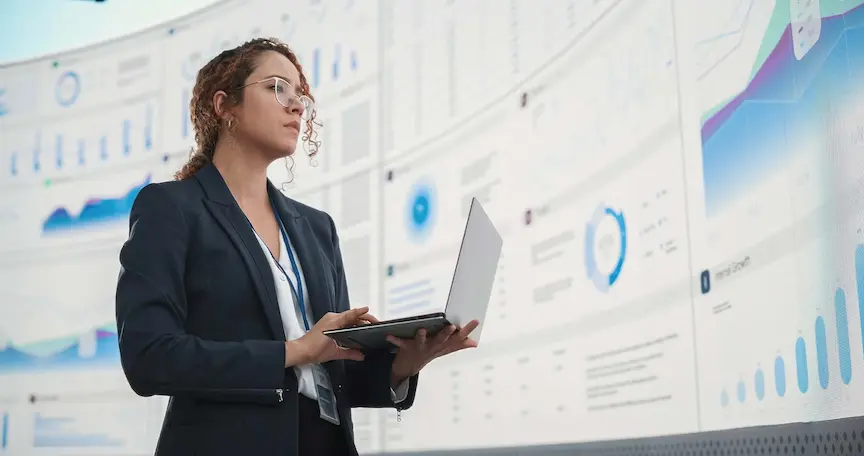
(298, 292)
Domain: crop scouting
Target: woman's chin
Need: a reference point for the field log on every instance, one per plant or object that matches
(286, 149)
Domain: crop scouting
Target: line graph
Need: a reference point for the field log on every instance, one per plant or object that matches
(94, 348)
(95, 210)
(712, 50)
(786, 95)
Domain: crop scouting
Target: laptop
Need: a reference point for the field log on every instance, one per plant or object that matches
(468, 299)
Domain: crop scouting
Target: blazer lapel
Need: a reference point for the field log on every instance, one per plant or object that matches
(304, 242)
(224, 208)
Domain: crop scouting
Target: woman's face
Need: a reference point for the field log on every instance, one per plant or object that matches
(262, 121)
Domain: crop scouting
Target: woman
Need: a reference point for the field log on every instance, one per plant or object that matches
(226, 285)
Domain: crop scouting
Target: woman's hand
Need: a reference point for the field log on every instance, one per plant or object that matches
(316, 348)
(414, 354)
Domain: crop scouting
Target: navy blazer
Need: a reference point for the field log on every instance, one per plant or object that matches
(198, 320)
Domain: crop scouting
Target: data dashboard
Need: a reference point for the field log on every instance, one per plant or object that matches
(678, 185)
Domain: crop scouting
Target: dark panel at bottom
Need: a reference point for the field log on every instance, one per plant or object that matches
(838, 437)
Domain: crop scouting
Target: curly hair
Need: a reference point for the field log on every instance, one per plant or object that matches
(227, 71)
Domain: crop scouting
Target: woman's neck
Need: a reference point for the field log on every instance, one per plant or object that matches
(245, 176)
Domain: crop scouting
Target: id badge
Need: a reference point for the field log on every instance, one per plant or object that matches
(326, 398)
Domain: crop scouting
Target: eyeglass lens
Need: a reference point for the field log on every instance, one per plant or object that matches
(287, 94)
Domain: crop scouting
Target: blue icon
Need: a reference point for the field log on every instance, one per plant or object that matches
(336, 57)
(4, 432)
(58, 151)
(420, 211)
(82, 152)
(67, 89)
(603, 280)
(705, 281)
(127, 132)
(103, 148)
(4, 109)
(148, 129)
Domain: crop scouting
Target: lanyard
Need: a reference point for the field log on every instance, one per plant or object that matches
(298, 292)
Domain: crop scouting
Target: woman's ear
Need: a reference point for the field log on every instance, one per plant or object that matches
(220, 105)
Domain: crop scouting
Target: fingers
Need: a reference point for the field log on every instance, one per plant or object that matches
(350, 354)
(421, 337)
(444, 335)
(401, 343)
(357, 312)
(471, 326)
(460, 340)
(352, 316)
(368, 318)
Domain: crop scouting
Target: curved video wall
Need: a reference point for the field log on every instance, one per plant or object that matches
(678, 184)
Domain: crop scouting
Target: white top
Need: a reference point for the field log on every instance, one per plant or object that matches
(292, 320)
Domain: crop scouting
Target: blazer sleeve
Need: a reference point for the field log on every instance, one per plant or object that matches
(157, 355)
(368, 381)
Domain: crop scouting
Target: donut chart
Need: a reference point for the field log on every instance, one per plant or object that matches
(67, 89)
(599, 233)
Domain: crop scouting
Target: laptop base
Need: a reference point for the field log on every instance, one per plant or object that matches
(374, 336)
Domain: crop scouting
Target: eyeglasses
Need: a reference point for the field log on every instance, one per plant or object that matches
(286, 95)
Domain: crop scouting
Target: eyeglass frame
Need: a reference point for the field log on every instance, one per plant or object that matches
(297, 98)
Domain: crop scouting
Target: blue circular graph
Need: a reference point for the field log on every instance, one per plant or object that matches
(420, 211)
(604, 277)
(67, 89)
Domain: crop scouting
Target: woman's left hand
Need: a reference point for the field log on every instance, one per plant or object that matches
(414, 354)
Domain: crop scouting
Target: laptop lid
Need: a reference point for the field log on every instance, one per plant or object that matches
(475, 271)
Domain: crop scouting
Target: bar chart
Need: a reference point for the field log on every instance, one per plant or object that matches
(824, 335)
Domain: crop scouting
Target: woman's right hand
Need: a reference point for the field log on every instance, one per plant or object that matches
(316, 348)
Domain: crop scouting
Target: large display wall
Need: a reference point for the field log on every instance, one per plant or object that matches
(678, 183)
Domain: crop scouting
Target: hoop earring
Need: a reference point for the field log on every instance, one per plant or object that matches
(230, 124)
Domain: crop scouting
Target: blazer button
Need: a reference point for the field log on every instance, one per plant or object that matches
(339, 387)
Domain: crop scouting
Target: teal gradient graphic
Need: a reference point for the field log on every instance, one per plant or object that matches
(783, 105)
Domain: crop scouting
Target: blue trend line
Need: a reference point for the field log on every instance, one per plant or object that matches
(731, 32)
